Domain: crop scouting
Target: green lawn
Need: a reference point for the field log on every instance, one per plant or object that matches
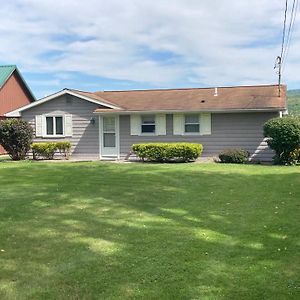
(149, 231)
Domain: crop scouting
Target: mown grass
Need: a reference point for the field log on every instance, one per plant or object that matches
(149, 231)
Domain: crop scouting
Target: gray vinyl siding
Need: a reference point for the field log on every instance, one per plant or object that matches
(229, 130)
(85, 138)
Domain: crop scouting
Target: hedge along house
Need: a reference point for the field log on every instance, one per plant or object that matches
(14, 92)
(105, 124)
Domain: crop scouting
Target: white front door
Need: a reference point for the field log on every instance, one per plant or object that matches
(109, 136)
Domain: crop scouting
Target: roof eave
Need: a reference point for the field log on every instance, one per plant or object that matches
(25, 84)
(18, 112)
(239, 110)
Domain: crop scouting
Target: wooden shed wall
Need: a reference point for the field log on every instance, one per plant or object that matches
(13, 95)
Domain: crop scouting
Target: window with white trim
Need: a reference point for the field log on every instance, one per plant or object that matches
(191, 123)
(148, 124)
(54, 126)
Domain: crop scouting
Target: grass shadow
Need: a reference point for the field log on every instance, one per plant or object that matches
(103, 230)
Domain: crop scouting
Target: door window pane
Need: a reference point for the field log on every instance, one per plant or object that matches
(49, 125)
(59, 125)
(109, 139)
(109, 124)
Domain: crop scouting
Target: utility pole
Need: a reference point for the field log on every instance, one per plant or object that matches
(278, 65)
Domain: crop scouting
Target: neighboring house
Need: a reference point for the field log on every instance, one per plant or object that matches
(105, 124)
(14, 92)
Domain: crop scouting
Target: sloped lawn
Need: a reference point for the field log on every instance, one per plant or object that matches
(149, 231)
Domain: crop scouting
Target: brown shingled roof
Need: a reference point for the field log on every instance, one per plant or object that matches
(262, 97)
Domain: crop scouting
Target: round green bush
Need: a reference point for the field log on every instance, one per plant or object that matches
(234, 156)
(15, 137)
(166, 152)
(283, 136)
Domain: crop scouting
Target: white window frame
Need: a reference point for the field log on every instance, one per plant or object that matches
(184, 123)
(54, 126)
(155, 125)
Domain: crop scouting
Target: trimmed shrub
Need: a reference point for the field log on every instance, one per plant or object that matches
(45, 149)
(166, 152)
(234, 156)
(283, 136)
(48, 149)
(64, 148)
(15, 137)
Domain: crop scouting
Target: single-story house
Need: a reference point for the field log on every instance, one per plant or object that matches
(105, 124)
(14, 91)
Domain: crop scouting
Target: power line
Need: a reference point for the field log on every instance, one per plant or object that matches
(286, 39)
(290, 32)
(279, 58)
(284, 28)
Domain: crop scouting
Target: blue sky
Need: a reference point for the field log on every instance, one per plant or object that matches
(132, 44)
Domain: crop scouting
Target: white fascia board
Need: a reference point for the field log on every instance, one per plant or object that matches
(17, 112)
(13, 114)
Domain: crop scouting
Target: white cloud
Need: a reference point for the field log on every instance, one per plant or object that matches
(216, 42)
